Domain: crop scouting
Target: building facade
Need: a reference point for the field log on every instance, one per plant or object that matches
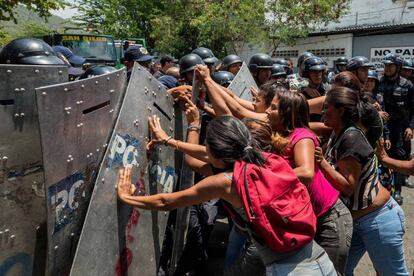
(371, 28)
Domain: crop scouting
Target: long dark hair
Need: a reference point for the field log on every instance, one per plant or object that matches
(261, 132)
(347, 79)
(230, 140)
(349, 100)
(270, 89)
(293, 110)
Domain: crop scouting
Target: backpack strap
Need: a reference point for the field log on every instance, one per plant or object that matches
(240, 223)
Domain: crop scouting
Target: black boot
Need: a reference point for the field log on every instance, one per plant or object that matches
(397, 196)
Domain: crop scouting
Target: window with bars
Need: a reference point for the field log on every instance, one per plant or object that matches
(332, 52)
(287, 53)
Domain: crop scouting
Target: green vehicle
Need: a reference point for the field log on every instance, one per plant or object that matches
(95, 48)
(122, 45)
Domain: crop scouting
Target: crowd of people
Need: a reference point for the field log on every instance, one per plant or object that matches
(309, 173)
(316, 129)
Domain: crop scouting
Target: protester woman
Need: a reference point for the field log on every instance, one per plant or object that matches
(350, 165)
(229, 143)
(289, 118)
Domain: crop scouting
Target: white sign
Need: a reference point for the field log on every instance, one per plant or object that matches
(377, 54)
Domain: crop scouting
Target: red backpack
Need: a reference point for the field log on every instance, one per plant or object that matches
(277, 204)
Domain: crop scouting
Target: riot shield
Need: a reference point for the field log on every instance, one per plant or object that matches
(183, 214)
(242, 83)
(22, 203)
(117, 239)
(76, 120)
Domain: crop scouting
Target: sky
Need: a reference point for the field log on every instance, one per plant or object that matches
(67, 12)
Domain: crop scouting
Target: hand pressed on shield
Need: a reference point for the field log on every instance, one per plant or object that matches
(191, 113)
(182, 90)
(254, 92)
(124, 185)
(158, 135)
(202, 72)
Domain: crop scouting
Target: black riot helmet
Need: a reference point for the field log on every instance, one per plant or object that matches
(230, 60)
(223, 78)
(408, 64)
(372, 74)
(206, 55)
(285, 63)
(393, 59)
(260, 61)
(29, 51)
(312, 64)
(302, 57)
(357, 62)
(189, 62)
(96, 71)
(278, 71)
(340, 61)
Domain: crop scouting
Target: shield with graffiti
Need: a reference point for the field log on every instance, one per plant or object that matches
(242, 83)
(76, 121)
(118, 239)
(22, 200)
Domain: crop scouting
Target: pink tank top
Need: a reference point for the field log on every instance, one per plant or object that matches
(322, 194)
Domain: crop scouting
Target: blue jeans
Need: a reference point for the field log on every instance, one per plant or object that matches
(321, 266)
(234, 246)
(381, 234)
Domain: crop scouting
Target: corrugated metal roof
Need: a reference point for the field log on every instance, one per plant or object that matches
(367, 27)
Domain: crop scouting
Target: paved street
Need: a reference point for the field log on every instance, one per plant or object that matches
(365, 268)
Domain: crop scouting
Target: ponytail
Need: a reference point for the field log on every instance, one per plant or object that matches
(229, 139)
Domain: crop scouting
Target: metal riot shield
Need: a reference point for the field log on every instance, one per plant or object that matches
(242, 83)
(22, 204)
(116, 238)
(76, 120)
(183, 214)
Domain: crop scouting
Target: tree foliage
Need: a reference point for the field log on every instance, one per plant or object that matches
(42, 7)
(289, 20)
(223, 25)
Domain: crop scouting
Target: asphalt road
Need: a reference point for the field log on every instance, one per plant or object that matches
(365, 267)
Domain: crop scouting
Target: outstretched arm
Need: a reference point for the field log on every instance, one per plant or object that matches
(405, 167)
(223, 103)
(216, 186)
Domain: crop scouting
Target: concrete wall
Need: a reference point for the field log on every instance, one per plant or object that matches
(391, 42)
(324, 43)
(368, 12)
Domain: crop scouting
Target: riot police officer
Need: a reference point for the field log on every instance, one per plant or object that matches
(340, 66)
(232, 64)
(187, 65)
(296, 81)
(207, 56)
(223, 78)
(407, 70)
(398, 94)
(359, 66)
(260, 65)
(97, 70)
(29, 51)
(278, 73)
(313, 69)
(285, 63)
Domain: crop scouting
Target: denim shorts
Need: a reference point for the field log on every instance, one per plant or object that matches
(380, 233)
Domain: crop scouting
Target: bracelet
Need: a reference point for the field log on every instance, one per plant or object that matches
(195, 128)
(166, 140)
